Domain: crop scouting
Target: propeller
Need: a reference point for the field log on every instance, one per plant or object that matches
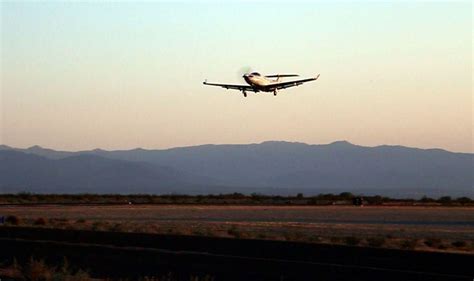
(244, 70)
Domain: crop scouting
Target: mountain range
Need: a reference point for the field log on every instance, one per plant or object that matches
(272, 167)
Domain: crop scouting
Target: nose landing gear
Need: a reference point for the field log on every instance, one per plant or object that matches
(275, 92)
(245, 93)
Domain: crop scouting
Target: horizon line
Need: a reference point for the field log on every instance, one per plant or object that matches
(236, 144)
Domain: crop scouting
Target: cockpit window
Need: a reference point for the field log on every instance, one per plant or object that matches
(255, 74)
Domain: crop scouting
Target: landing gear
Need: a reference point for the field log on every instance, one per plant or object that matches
(245, 93)
(275, 92)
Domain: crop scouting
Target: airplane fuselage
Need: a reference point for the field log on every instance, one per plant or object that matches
(258, 82)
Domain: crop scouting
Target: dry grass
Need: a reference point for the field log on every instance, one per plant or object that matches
(38, 270)
(418, 228)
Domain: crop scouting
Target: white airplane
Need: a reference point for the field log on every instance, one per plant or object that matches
(258, 83)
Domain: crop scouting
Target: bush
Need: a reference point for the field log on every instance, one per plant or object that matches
(409, 244)
(294, 236)
(352, 240)
(40, 221)
(376, 241)
(38, 271)
(346, 195)
(199, 232)
(425, 199)
(233, 231)
(433, 242)
(445, 200)
(13, 220)
(334, 240)
(464, 200)
(442, 247)
(459, 244)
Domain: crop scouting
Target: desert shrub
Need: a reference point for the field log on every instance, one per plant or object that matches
(13, 220)
(433, 242)
(445, 200)
(464, 200)
(233, 231)
(443, 247)
(409, 244)
(37, 270)
(459, 244)
(80, 275)
(346, 195)
(335, 239)
(294, 236)
(426, 199)
(376, 241)
(40, 221)
(117, 227)
(199, 232)
(96, 226)
(352, 240)
(315, 239)
(12, 271)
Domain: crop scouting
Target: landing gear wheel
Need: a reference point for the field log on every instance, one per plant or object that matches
(275, 93)
(245, 94)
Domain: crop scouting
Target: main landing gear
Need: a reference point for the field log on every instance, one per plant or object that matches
(275, 92)
(245, 93)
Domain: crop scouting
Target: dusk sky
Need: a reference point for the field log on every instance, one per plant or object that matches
(118, 75)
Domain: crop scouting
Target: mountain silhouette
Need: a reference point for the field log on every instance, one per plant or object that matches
(86, 173)
(275, 167)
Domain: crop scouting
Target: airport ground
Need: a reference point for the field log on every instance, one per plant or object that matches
(435, 228)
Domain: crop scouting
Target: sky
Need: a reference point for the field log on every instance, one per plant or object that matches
(121, 75)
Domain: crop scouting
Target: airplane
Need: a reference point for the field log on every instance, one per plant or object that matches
(259, 83)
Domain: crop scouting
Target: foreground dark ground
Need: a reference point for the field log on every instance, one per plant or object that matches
(54, 254)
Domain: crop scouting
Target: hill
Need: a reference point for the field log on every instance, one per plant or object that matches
(284, 167)
(26, 172)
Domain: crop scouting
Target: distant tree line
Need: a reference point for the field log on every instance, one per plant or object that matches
(344, 198)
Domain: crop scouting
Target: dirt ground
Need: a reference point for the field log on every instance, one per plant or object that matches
(442, 226)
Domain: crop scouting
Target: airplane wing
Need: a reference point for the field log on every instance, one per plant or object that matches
(281, 75)
(284, 85)
(232, 87)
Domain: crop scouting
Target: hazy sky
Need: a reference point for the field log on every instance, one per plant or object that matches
(122, 75)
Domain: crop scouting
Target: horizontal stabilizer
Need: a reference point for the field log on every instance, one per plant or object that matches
(281, 75)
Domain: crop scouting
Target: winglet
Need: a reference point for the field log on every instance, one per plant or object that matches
(205, 82)
(316, 78)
